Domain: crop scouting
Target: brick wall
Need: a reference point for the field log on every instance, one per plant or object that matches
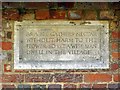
(66, 79)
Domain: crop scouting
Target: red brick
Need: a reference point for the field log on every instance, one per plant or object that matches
(117, 78)
(116, 35)
(42, 14)
(7, 68)
(36, 5)
(90, 15)
(69, 87)
(115, 55)
(75, 14)
(12, 78)
(68, 78)
(114, 45)
(114, 66)
(85, 85)
(38, 78)
(57, 14)
(97, 78)
(6, 45)
(8, 87)
(100, 86)
(11, 14)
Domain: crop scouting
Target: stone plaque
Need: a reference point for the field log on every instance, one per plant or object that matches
(61, 45)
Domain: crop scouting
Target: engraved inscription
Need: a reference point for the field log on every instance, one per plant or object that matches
(61, 44)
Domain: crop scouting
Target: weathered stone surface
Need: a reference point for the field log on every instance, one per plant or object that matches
(61, 45)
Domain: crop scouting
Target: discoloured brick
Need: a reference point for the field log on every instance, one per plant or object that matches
(69, 87)
(36, 5)
(38, 78)
(54, 87)
(65, 5)
(85, 86)
(114, 25)
(68, 78)
(24, 87)
(98, 77)
(11, 15)
(106, 15)
(8, 87)
(75, 14)
(9, 56)
(113, 86)
(117, 14)
(39, 87)
(115, 45)
(28, 16)
(90, 15)
(12, 78)
(7, 68)
(100, 86)
(115, 5)
(9, 35)
(114, 66)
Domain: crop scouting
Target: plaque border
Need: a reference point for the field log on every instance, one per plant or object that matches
(58, 64)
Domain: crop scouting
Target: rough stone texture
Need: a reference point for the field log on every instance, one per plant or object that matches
(68, 78)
